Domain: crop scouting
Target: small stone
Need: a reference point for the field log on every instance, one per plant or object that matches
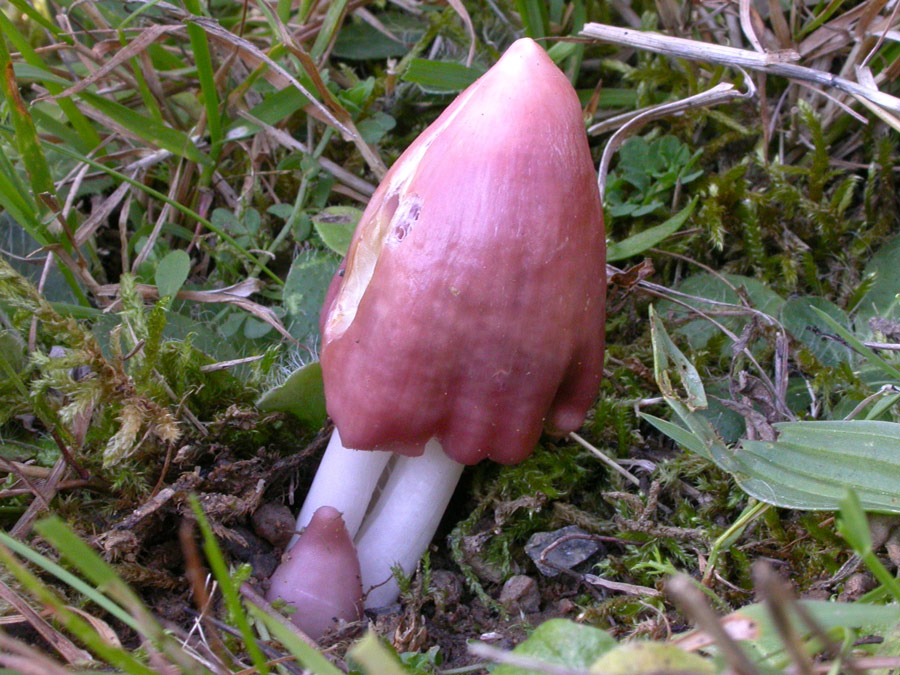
(263, 565)
(566, 555)
(243, 543)
(856, 586)
(274, 523)
(521, 593)
(446, 589)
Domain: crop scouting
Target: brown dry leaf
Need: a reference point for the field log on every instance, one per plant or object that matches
(139, 44)
(738, 627)
(628, 278)
(47, 491)
(54, 638)
(26, 660)
(232, 295)
(274, 73)
(372, 159)
(831, 36)
(103, 629)
(100, 214)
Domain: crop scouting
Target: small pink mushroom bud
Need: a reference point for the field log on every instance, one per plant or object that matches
(319, 576)
(469, 313)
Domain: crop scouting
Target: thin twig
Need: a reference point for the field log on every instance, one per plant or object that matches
(692, 602)
(612, 464)
(721, 93)
(771, 63)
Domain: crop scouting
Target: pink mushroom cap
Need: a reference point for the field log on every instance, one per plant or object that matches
(319, 575)
(471, 304)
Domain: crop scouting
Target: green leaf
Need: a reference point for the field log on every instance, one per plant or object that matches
(680, 435)
(374, 657)
(336, 225)
(720, 288)
(172, 272)
(766, 639)
(374, 127)
(812, 465)
(665, 353)
(359, 41)
(561, 643)
(642, 656)
(275, 107)
(650, 237)
(805, 325)
(302, 395)
(304, 292)
(881, 299)
(440, 76)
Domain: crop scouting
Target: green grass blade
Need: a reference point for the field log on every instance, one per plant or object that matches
(29, 10)
(306, 655)
(534, 17)
(206, 74)
(68, 152)
(80, 628)
(283, 10)
(330, 24)
(78, 554)
(69, 580)
(440, 76)
(650, 237)
(854, 527)
(14, 199)
(89, 138)
(85, 560)
(859, 347)
(229, 591)
(26, 136)
(48, 124)
(157, 134)
(374, 657)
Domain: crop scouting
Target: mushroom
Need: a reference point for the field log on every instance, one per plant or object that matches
(468, 315)
(319, 575)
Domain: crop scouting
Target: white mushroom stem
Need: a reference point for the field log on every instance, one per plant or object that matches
(396, 529)
(345, 480)
(404, 520)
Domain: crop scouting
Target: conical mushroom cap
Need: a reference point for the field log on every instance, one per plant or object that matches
(471, 303)
(319, 575)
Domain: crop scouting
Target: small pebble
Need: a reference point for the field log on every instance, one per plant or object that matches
(275, 523)
(566, 555)
(446, 588)
(520, 592)
(263, 565)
